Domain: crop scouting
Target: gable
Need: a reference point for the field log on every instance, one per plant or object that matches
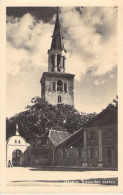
(43, 142)
(51, 139)
(75, 140)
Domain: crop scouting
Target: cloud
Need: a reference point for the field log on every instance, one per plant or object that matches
(91, 38)
(27, 44)
(99, 82)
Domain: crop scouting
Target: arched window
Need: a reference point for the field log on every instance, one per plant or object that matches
(19, 141)
(59, 85)
(59, 99)
(15, 141)
(58, 62)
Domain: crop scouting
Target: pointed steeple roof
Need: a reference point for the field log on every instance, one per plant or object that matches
(57, 40)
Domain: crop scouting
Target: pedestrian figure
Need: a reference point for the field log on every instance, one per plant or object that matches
(10, 163)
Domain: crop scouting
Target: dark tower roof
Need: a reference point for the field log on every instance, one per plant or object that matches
(57, 40)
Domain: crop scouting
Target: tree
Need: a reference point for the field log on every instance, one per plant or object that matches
(114, 104)
(41, 117)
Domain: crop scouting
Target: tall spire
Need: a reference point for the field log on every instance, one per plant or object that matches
(57, 40)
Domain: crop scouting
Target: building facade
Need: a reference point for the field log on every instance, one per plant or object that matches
(93, 146)
(15, 147)
(56, 85)
(44, 149)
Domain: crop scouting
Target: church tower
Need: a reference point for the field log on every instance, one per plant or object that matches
(56, 85)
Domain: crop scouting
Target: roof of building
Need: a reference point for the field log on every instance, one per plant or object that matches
(54, 136)
(57, 137)
(108, 116)
(57, 40)
(71, 140)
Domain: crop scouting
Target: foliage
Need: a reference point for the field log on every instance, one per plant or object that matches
(114, 104)
(41, 116)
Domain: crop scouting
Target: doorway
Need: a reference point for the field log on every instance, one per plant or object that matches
(16, 158)
(109, 158)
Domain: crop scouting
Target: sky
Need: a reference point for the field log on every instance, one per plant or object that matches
(90, 38)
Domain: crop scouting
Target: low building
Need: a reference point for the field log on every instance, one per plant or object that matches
(45, 146)
(15, 147)
(94, 145)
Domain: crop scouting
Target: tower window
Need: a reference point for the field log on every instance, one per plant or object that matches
(58, 62)
(65, 87)
(59, 85)
(53, 86)
(52, 62)
(59, 99)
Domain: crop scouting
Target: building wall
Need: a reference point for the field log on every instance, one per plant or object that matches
(109, 145)
(12, 146)
(72, 159)
(52, 96)
(55, 157)
(43, 157)
(98, 145)
(109, 149)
